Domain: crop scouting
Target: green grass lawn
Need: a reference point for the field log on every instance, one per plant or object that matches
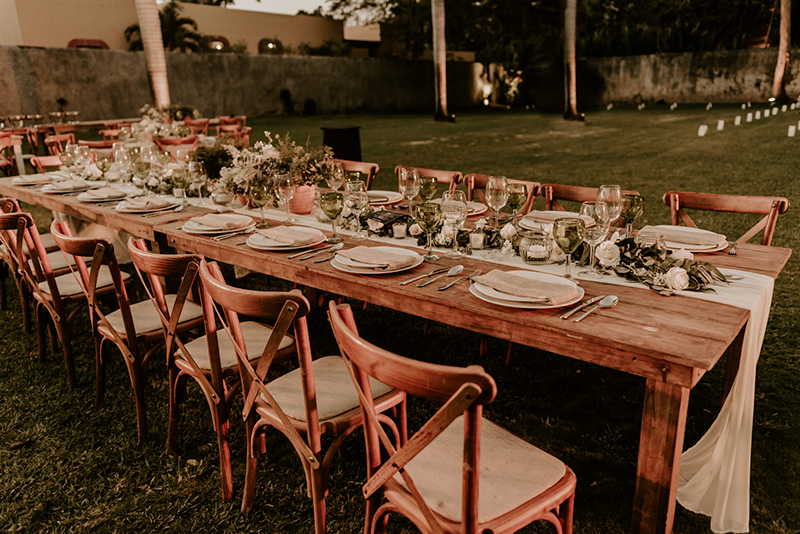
(80, 470)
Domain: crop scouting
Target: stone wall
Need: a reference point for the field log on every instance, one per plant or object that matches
(104, 84)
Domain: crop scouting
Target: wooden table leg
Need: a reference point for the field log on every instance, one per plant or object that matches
(161, 245)
(734, 355)
(19, 159)
(660, 447)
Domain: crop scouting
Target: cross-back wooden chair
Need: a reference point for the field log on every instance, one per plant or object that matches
(555, 193)
(197, 126)
(212, 370)
(108, 143)
(369, 170)
(173, 145)
(317, 397)
(40, 162)
(770, 207)
(450, 178)
(8, 161)
(236, 120)
(55, 143)
(476, 184)
(459, 473)
(10, 233)
(59, 129)
(110, 134)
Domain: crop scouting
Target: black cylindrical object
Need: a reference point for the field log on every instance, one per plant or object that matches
(344, 140)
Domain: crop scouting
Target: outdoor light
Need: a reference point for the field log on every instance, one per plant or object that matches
(772, 99)
(271, 45)
(218, 46)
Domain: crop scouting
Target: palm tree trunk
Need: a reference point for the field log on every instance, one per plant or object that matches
(439, 59)
(150, 30)
(778, 90)
(570, 82)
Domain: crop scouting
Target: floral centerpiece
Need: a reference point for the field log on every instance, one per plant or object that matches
(158, 122)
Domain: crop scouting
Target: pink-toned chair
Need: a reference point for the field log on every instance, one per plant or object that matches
(770, 207)
(40, 162)
(459, 473)
(240, 137)
(55, 143)
(303, 404)
(369, 170)
(197, 126)
(450, 178)
(555, 193)
(107, 144)
(59, 129)
(7, 159)
(476, 185)
(110, 134)
(172, 145)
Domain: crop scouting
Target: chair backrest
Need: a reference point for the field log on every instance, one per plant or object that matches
(770, 207)
(55, 143)
(554, 193)
(62, 128)
(237, 120)
(241, 137)
(370, 170)
(451, 178)
(198, 126)
(109, 143)
(463, 390)
(476, 184)
(110, 134)
(286, 310)
(6, 155)
(40, 162)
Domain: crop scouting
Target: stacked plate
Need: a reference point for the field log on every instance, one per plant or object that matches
(146, 205)
(104, 194)
(382, 198)
(473, 208)
(229, 223)
(68, 186)
(349, 265)
(262, 242)
(33, 179)
(494, 296)
(535, 219)
(721, 242)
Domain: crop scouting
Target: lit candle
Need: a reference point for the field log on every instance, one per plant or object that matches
(399, 230)
(476, 240)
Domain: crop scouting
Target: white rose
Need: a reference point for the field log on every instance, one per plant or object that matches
(682, 254)
(447, 231)
(607, 254)
(415, 229)
(614, 237)
(153, 182)
(480, 224)
(508, 247)
(677, 279)
(508, 231)
(374, 226)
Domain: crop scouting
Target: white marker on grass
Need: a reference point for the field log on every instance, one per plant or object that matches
(738, 120)
(749, 117)
(758, 115)
(783, 108)
(792, 130)
(720, 125)
(702, 131)
(774, 111)
(709, 106)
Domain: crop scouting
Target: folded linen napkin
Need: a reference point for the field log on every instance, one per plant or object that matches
(149, 202)
(61, 174)
(375, 196)
(33, 179)
(222, 221)
(291, 235)
(106, 192)
(688, 236)
(378, 258)
(520, 286)
(66, 185)
(551, 216)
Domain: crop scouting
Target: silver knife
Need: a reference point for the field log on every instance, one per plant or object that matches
(420, 277)
(581, 306)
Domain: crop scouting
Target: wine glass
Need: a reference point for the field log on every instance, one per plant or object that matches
(496, 195)
(356, 198)
(123, 161)
(517, 196)
(183, 156)
(67, 158)
(612, 196)
(429, 218)
(594, 234)
(83, 158)
(568, 233)
(428, 187)
(454, 210)
(260, 194)
(632, 207)
(336, 178)
(332, 203)
(284, 189)
(103, 163)
(408, 185)
(198, 177)
(141, 169)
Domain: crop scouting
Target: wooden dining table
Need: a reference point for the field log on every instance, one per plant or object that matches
(646, 334)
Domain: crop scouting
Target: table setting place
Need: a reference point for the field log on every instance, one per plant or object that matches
(219, 225)
(535, 219)
(285, 238)
(375, 260)
(384, 198)
(687, 238)
(473, 208)
(148, 206)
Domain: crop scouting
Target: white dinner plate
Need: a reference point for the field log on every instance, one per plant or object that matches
(489, 294)
(350, 266)
(124, 207)
(191, 227)
(674, 245)
(473, 208)
(88, 197)
(531, 223)
(376, 197)
(51, 191)
(36, 179)
(260, 242)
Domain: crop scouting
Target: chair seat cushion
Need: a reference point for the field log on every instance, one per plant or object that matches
(68, 284)
(255, 335)
(47, 241)
(145, 317)
(57, 261)
(335, 391)
(512, 472)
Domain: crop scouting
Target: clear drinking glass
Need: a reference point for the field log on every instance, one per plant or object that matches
(568, 233)
(336, 178)
(332, 203)
(632, 209)
(454, 210)
(428, 187)
(594, 234)
(429, 218)
(517, 196)
(284, 189)
(141, 169)
(496, 195)
(408, 185)
(358, 201)
(67, 158)
(183, 156)
(260, 194)
(103, 163)
(612, 196)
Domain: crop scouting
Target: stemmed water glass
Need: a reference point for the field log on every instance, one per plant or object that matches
(103, 163)
(332, 203)
(517, 196)
(408, 185)
(183, 156)
(67, 158)
(429, 218)
(594, 234)
(496, 195)
(356, 198)
(428, 187)
(261, 193)
(612, 196)
(141, 169)
(632, 207)
(123, 161)
(454, 210)
(198, 177)
(568, 233)
(285, 189)
(336, 178)
(83, 158)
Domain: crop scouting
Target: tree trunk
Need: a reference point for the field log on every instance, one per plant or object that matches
(778, 90)
(150, 30)
(439, 59)
(570, 82)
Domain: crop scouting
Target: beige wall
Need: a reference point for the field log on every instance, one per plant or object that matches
(53, 23)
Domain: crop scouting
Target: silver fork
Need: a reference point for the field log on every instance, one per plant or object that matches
(732, 251)
(474, 274)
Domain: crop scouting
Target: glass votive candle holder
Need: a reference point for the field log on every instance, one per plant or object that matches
(535, 247)
(476, 240)
(399, 230)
